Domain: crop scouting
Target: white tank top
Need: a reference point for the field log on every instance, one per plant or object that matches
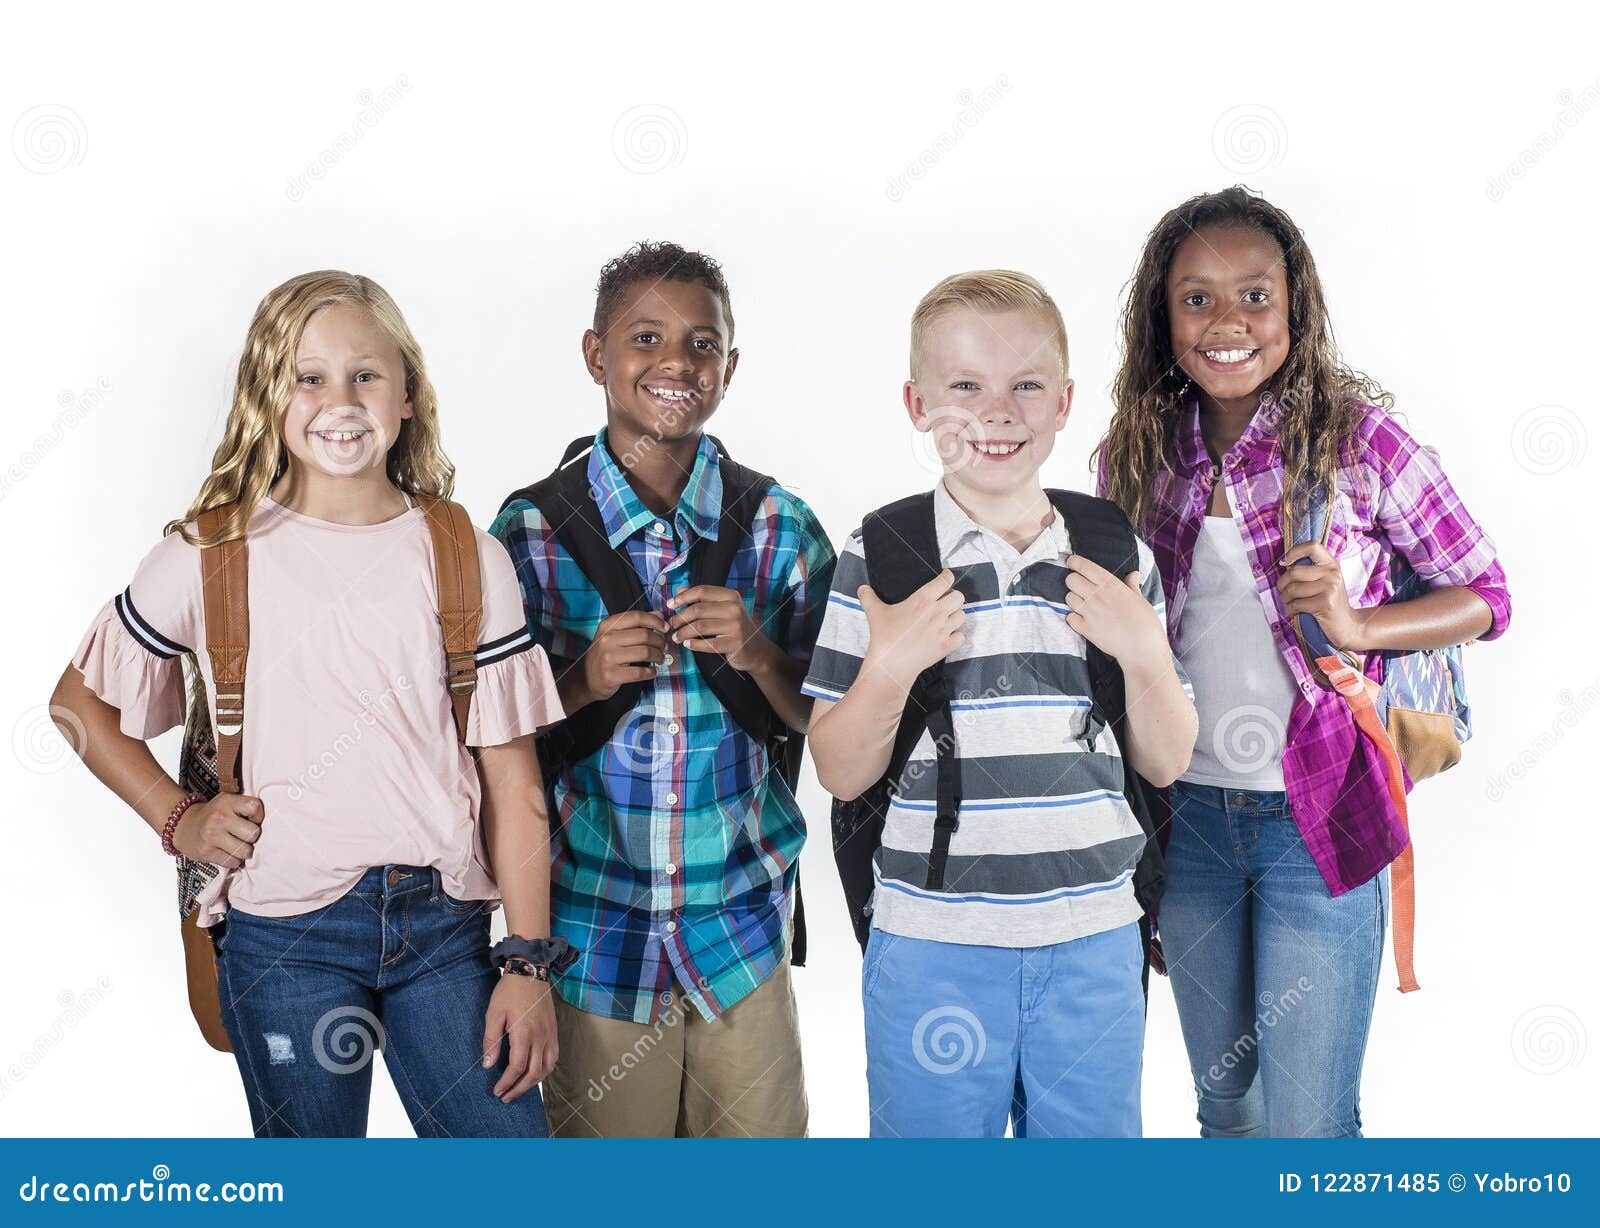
(1243, 690)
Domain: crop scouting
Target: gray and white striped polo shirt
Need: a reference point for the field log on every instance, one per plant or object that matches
(1046, 846)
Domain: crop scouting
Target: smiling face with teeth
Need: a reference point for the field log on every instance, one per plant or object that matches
(665, 360)
(1227, 309)
(991, 390)
(349, 396)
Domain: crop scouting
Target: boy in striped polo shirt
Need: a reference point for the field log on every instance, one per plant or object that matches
(1013, 990)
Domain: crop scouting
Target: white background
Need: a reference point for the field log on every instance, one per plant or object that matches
(482, 163)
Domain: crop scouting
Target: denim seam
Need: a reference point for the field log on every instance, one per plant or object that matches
(241, 1038)
(398, 1070)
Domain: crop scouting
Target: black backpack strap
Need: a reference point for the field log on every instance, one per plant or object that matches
(1100, 532)
(743, 492)
(901, 545)
(568, 507)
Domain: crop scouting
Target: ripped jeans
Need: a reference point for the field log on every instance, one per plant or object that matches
(394, 964)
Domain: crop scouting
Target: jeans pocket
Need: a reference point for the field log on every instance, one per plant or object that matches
(463, 907)
(878, 942)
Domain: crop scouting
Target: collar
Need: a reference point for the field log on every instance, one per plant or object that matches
(1258, 444)
(699, 509)
(952, 526)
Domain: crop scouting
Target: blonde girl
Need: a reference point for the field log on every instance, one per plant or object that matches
(361, 861)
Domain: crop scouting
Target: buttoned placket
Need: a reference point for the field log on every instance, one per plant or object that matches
(666, 748)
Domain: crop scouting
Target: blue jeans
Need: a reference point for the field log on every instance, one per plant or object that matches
(395, 964)
(1273, 977)
(961, 1037)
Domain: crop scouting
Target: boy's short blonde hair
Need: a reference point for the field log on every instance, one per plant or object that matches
(985, 290)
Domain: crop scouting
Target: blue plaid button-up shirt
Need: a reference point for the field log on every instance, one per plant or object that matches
(677, 842)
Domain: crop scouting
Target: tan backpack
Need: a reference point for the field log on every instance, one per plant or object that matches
(211, 761)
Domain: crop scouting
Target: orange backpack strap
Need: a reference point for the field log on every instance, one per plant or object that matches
(455, 565)
(224, 569)
(1358, 691)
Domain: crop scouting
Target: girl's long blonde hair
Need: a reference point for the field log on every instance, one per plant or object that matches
(252, 455)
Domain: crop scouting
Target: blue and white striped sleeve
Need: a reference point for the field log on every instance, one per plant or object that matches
(842, 644)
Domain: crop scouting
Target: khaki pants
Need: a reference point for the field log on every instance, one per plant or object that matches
(736, 1077)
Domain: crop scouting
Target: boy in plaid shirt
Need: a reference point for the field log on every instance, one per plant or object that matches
(677, 841)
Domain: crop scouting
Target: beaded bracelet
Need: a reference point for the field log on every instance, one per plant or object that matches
(172, 822)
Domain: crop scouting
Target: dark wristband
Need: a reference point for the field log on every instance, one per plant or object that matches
(553, 954)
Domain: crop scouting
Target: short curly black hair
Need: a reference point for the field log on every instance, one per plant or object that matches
(657, 262)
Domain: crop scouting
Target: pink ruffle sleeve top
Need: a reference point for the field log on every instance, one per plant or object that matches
(349, 737)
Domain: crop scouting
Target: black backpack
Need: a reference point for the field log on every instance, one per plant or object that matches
(902, 554)
(567, 504)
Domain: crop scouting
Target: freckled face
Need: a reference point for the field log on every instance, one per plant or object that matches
(1228, 310)
(991, 392)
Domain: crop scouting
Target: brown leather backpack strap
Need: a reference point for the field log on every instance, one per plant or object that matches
(455, 565)
(224, 570)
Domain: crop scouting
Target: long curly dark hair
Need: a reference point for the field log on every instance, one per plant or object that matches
(1321, 397)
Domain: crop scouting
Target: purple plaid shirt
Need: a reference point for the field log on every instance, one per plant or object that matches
(1395, 498)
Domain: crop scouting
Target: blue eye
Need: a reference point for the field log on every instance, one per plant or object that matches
(1030, 385)
(366, 376)
(310, 379)
(963, 385)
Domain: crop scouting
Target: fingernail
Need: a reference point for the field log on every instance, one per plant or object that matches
(488, 1061)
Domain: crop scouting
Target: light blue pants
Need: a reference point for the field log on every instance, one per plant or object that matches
(1273, 977)
(959, 1038)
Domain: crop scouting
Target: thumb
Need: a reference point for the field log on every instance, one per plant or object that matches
(1136, 581)
(868, 599)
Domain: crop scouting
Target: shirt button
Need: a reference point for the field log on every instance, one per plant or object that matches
(667, 660)
(672, 799)
(671, 867)
(672, 727)
(662, 580)
(659, 527)
(672, 927)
